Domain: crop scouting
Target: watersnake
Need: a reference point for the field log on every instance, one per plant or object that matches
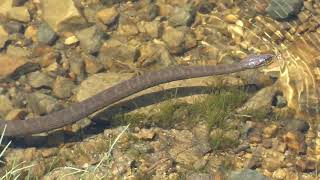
(126, 88)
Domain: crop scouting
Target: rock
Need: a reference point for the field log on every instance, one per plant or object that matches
(77, 67)
(246, 174)
(272, 160)
(306, 165)
(42, 103)
(16, 51)
(154, 55)
(61, 16)
(5, 104)
(46, 35)
(19, 14)
(14, 67)
(255, 135)
(151, 29)
(178, 40)
(127, 27)
(90, 39)
(260, 102)
(39, 80)
(71, 40)
(296, 125)
(14, 27)
(114, 52)
(63, 87)
(5, 6)
(279, 174)
(200, 176)
(295, 141)
(31, 32)
(4, 37)
(107, 16)
(92, 65)
(182, 16)
(284, 9)
(18, 2)
(146, 134)
(16, 114)
(267, 143)
(205, 7)
(270, 131)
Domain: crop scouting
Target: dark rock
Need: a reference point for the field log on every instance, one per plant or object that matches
(296, 125)
(90, 39)
(46, 35)
(246, 174)
(14, 27)
(284, 9)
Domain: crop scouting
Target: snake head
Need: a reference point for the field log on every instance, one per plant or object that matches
(258, 60)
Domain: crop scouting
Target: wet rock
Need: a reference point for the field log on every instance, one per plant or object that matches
(90, 39)
(154, 55)
(179, 40)
(46, 35)
(151, 29)
(5, 6)
(5, 104)
(273, 160)
(42, 104)
(92, 65)
(201, 176)
(18, 51)
(16, 114)
(71, 40)
(115, 54)
(14, 27)
(297, 125)
(284, 9)
(127, 27)
(260, 102)
(19, 14)
(242, 147)
(15, 67)
(61, 16)
(146, 134)
(255, 135)
(181, 16)
(270, 131)
(205, 7)
(39, 80)
(77, 67)
(63, 87)
(246, 174)
(4, 36)
(279, 174)
(107, 16)
(18, 2)
(295, 141)
(267, 143)
(306, 165)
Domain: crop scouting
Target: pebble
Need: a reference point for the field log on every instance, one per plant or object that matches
(63, 87)
(46, 35)
(16, 114)
(39, 79)
(284, 9)
(295, 141)
(19, 14)
(107, 16)
(181, 16)
(90, 39)
(61, 16)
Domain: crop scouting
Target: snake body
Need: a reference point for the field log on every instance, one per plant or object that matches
(126, 88)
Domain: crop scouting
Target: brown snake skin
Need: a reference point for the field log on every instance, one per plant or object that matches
(126, 88)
